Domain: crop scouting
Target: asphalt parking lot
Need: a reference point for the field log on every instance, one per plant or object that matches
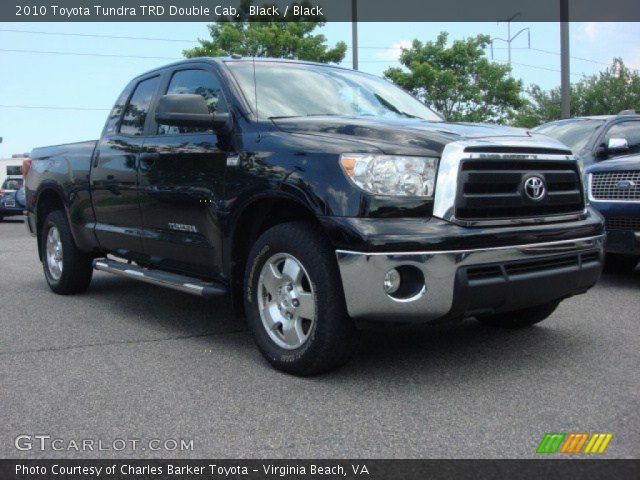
(133, 361)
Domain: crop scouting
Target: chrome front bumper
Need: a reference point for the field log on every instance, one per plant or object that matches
(450, 292)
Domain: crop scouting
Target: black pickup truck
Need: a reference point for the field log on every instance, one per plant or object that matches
(321, 199)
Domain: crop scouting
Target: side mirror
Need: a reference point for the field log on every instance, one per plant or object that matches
(189, 110)
(617, 145)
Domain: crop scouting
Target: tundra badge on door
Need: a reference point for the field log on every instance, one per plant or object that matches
(181, 227)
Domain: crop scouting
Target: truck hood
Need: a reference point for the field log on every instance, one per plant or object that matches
(401, 136)
(631, 162)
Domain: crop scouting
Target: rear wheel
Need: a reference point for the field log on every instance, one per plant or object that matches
(67, 269)
(617, 263)
(520, 318)
(294, 301)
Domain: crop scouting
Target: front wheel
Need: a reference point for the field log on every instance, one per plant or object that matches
(294, 300)
(520, 318)
(67, 269)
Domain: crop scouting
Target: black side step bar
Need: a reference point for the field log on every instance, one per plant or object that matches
(181, 283)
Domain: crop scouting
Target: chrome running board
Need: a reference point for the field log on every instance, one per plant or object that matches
(173, 281)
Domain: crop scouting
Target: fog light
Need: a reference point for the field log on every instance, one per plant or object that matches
(392, 281)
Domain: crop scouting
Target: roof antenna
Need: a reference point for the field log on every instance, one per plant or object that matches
(255, 91)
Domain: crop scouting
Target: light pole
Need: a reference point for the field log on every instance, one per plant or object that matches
(354, 33)
(565, 82)
(509, 38)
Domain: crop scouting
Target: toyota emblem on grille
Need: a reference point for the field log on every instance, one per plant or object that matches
(535, 188)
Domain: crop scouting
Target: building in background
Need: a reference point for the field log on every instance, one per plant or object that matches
(11, 166)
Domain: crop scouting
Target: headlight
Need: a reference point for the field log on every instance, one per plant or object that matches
(391, 174)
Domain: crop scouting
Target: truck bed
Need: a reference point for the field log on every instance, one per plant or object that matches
(77, 150)
(66, 168)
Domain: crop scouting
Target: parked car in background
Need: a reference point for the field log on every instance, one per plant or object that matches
(12, 197)
(597, 138)
(614, 190)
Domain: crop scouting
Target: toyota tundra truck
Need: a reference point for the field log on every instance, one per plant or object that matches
(321, 199)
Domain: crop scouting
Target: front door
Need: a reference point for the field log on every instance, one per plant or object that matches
(181, 184)
(114, 173)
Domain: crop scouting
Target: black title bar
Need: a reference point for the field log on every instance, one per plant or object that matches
(199, 469)
(328, 10)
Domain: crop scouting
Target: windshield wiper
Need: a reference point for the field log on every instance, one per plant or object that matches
(392, 107)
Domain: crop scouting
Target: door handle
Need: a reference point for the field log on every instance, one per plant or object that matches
(148, 159)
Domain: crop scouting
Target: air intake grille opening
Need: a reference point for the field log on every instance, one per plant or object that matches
(494, 189)
(541, 265)
(513, 269)
(622, 223)
(480, 273)
(590, 257)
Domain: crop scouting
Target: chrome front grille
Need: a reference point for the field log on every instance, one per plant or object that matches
(482, 182)
(490, 188)
(622, 185)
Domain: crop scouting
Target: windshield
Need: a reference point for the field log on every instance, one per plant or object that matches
(12, 184)
(301, 90)
(575, 134)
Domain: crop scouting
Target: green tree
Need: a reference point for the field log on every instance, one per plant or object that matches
(459, 81)
(271, 36)
(608, 92)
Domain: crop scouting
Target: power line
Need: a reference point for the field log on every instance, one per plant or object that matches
(147, 57)
(544, 68)
(87, 54)
(83, 54)
(180, 40)
(90, 54)
(572, 57)
(540, 50)
(497, 61)
(95, 35)
(48, 107)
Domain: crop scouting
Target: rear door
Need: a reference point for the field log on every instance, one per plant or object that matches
(181, 182)
(114, 173)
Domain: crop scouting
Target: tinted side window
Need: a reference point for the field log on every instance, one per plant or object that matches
(111, 126)
(136, 112)
(198, 82)
(629, 130)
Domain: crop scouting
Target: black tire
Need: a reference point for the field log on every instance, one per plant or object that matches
(77, 267)
(520, 318)
(331, 337)
(620, 264)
